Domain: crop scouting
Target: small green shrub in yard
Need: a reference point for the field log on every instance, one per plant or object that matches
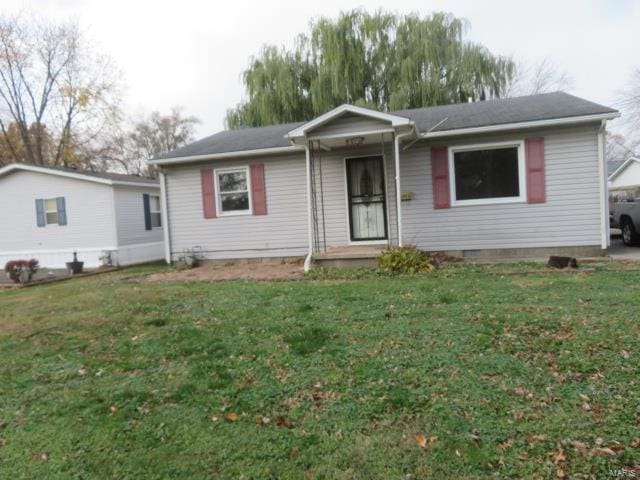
(406, 259)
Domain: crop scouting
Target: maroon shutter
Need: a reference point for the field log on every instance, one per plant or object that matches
(208, 193)
(440, 177)
(534, 157)
(258, 192)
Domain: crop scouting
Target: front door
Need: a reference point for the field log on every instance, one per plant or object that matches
(366, 198)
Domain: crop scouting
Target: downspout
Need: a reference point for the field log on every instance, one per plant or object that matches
(397, 139)
(165, 218)
(307, 260)
(604, 188)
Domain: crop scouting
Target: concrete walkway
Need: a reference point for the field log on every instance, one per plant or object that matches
(619, 251)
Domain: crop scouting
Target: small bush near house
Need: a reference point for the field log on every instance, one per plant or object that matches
(406, 259)
(21, 271)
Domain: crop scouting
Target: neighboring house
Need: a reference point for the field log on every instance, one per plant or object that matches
(515, 177)
(624, 181)
(49, 212)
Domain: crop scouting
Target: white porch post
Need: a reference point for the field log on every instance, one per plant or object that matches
(398, 191)
(307, 260)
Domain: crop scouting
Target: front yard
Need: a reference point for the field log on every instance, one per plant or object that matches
(462, 373)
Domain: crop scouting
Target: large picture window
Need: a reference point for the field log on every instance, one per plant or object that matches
(233, 191)
(487, 174)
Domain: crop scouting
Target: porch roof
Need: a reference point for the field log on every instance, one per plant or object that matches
(456, 118)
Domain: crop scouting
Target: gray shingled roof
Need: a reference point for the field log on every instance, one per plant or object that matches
(453, 117)
(116, 177)
(613, 165)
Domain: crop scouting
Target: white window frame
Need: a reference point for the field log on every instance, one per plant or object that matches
(152, 211)
(219, 193)
(44, 205)
(522, 174)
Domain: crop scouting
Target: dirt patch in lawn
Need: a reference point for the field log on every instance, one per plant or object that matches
(241, 270)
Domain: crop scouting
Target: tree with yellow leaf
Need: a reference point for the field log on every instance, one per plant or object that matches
(56, 94)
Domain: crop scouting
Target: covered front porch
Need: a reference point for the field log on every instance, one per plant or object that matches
(353, 183)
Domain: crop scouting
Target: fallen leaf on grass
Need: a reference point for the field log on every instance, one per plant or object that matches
(231, 416)
(603, 451)
(559, 456)
(560, 473)
(421, 440)
(505, 445)
(635, 443)
(536, 438)
(263, 421)
(3, 442)
(293, 454)
(284, 422)
(424, 442)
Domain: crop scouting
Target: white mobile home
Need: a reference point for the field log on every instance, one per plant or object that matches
(48, 213)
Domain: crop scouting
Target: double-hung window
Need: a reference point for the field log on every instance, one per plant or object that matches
(51, 211)
(154, 211)
(234, 191)
(490, 173)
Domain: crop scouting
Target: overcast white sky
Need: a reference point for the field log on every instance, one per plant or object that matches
(191, 53)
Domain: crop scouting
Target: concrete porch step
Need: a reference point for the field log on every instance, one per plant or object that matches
(351, 256)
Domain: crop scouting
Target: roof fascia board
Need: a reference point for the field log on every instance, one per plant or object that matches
(76, 176)
(226, 155)
(519, 125)
(622, 167)
(302, 130)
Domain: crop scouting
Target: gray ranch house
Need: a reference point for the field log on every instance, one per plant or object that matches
(48, 213)
(511, 177)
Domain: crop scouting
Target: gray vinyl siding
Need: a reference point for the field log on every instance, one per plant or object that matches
(334, 186)
(129, 211)
(569, 217)
(89, 208)
(282, 232)
(349, 124)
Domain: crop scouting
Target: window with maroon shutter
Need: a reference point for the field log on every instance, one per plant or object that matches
(258, 191)
(208, 193)
(440, 177)
(534, 152)
(489, 173)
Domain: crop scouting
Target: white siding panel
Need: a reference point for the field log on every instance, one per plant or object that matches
(570, 216)
(282, 232)
(334, 187)
(89, 206)
(349, 124)
(130, 216)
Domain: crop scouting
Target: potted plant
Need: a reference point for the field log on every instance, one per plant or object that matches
(75, 267)
(21, 271)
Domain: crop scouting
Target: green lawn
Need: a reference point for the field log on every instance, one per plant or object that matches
(462, 373)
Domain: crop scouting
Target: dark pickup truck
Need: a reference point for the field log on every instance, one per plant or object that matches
(626, 217)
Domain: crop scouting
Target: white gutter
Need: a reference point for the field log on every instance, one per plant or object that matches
(519, 125)
(604, 188)
(225, 155)
(165, 218)
(307, 260)
(397, 139)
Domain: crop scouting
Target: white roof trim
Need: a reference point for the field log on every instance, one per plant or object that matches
(519, 125)
(622, 167)
(394, 120)
(75, 175)
(224, 155)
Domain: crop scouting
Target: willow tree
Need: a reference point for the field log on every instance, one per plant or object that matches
(380, 60)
